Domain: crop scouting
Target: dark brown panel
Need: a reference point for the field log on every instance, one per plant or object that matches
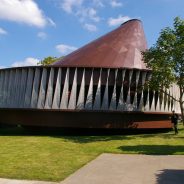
(84, 119)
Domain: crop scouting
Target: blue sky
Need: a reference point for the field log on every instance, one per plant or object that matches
(33, 29)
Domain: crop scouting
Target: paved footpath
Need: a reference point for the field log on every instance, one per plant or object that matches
(130, 169)
(8, 181)
(124, 169)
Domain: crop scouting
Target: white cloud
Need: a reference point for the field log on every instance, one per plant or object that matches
(65, 49)
(93, 15)
(2, 31)
(42, 35)
(90, 27)
(117, 21)
(115, 4)
(68, 5)
(88, 13)
(23, 11)
(1, 67)
(27, 62)
(98, 3)
(51, 22)
(84, 10)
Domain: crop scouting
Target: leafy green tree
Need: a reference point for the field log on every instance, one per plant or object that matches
(49, 60)
(166, 60)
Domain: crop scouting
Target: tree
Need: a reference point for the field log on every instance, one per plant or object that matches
(49, 60)
(166, 60)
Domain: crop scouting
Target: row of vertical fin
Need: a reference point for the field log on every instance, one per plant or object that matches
(82, 88)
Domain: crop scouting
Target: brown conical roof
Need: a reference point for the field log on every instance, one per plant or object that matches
(121, 48)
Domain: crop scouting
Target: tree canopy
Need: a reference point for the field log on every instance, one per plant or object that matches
(49, 60)
(166, 59)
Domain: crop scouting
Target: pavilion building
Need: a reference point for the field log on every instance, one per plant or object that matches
(101, 85)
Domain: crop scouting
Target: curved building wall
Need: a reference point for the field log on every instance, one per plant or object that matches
(70, 88)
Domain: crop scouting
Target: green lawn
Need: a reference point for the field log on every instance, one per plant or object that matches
(54, 157)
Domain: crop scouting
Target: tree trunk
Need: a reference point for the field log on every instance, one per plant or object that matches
(182, 109)
(182, 112)
(181, 103)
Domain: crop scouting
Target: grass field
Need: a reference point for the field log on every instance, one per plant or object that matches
(53, 157)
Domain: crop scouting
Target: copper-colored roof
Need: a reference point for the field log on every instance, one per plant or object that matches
(121, 48)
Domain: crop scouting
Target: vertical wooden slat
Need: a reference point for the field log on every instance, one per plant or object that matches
(135, 105)
(73, 95)
(166, 103)
(22, 87)
(49, 93)
(18, 87)
(141, 103)
(1, 86)
(10, 84)
(64, 98)
(105, 100)
(29, 85)
(128, 103)
(162, 103)
(15, 89)
(147, 105)
(89, 100)
(80, 103)
(113, 99)
(12, 88)
(35, 91)
(158, 105)
(57, 94)
(42, 91)
(7, 73)
(97, 101)
(121, 103)
(152, 109)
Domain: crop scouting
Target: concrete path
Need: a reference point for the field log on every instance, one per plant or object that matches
(124, 169)
(130, 169)
(8, 181)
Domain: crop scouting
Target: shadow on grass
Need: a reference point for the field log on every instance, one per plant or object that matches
(29, 130)
(170, 176)
(81, 135)
(89, 139)
(153, 149)
(74, 135)
(166, 135)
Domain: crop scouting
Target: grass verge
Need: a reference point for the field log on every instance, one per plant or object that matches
(54, 157)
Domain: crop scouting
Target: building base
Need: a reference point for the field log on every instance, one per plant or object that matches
(85, 119)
